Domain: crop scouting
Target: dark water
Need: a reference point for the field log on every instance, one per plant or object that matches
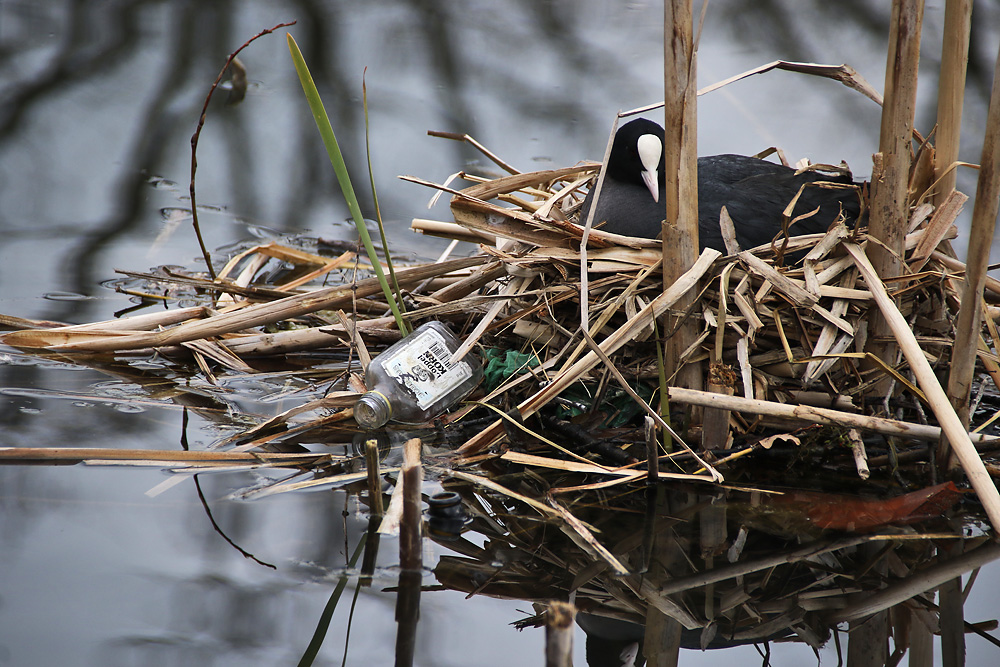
(97, 105)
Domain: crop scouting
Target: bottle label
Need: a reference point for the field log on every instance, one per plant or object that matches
(423, 367)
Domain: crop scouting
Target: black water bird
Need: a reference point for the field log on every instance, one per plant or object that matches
(755, 193)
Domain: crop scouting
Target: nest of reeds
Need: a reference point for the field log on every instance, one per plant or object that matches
(782, 344)
(784, 334)
(559, 445)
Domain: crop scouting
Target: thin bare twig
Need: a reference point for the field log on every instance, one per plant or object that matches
(197, 135)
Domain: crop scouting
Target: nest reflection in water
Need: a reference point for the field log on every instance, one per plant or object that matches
(731, 566)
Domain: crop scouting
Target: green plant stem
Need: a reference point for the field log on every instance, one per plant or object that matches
(343, 177)
(324, 619)
(378, 211)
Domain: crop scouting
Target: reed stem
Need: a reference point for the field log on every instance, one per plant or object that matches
(343, 176)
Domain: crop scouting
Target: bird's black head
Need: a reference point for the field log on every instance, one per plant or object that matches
(626, 162)
(637, 155)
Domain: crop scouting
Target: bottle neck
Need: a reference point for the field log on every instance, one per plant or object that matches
(372, 410)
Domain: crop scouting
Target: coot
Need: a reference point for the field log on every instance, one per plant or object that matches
(755, 192)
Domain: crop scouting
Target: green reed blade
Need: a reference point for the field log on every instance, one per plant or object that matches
(378, 211)
(343, 177)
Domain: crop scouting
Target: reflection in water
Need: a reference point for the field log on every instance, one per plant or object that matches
(725, 569)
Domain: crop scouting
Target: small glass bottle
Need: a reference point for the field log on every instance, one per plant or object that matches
(414, 381)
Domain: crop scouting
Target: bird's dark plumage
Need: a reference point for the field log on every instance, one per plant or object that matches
(755, 192)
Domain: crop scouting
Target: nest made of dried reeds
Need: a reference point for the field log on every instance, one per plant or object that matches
(782, 343)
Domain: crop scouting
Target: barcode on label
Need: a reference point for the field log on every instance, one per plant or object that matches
(440, 352)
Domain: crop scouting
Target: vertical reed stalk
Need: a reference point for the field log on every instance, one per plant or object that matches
(984, 216)
(374, 478)
(890, 176)
(412, 476)
(680, 226)
(715, 421)
(559, 634)
(951, 93)
(963, 360)
(410, 556)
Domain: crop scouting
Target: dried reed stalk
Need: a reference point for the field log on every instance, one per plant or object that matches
(890, 176)
(146, 322)
(680, 225)
(588, 225)
(951, 425)
(394, 513)
(951, 94)
(250, 316)
(984, 215)
(940, 225)
(816, 415)
(411, 477)
(559, 626)
(78, 454)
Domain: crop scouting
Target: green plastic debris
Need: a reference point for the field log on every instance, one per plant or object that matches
(500, 365)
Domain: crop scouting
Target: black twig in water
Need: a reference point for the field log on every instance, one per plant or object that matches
(218, 528)
(197, 134)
